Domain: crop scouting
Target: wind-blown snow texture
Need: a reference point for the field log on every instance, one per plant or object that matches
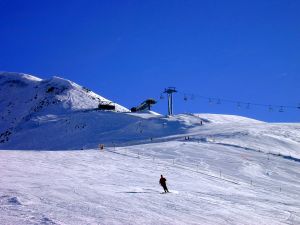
(229, 170)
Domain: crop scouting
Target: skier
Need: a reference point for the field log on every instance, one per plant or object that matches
(162, 182)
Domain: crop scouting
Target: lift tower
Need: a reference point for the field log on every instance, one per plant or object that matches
(169, 91)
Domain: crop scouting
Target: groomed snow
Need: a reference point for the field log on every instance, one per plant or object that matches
(120, 186)
(221, 169)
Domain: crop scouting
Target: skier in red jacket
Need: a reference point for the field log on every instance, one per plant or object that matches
(162, 182)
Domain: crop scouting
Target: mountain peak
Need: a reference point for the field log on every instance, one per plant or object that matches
(19, 76)
(24, 97)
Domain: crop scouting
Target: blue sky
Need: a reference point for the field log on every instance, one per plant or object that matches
(130, 50)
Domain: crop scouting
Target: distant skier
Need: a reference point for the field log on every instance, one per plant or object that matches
(162, 182)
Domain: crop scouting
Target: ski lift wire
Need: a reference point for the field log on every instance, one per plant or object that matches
(240, 103)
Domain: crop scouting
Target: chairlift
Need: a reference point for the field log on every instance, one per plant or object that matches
(248, 106)
(185, 98)
(281, 109)
(161, 96)
(270, 108)
(219, 102)
(239, 105)
(210, 101)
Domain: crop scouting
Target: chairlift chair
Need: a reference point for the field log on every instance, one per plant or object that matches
(270, 108)
(281, 109)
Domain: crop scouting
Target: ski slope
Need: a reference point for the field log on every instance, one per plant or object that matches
(120, 186)
(221, 169)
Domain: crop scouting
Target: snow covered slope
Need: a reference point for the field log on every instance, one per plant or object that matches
(57, 114)
(24, 98)
(221, 169)
(210, 184)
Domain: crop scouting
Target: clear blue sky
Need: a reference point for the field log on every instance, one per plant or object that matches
(129, 50)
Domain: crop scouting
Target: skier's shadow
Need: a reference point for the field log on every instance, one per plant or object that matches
(134, 192)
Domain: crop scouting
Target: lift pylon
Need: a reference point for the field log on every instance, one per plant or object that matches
(169, 91)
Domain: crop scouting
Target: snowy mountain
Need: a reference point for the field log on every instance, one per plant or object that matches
(27, 101)
(221, 169)
(58, 114)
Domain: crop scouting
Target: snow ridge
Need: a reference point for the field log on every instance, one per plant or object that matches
(25, 97)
